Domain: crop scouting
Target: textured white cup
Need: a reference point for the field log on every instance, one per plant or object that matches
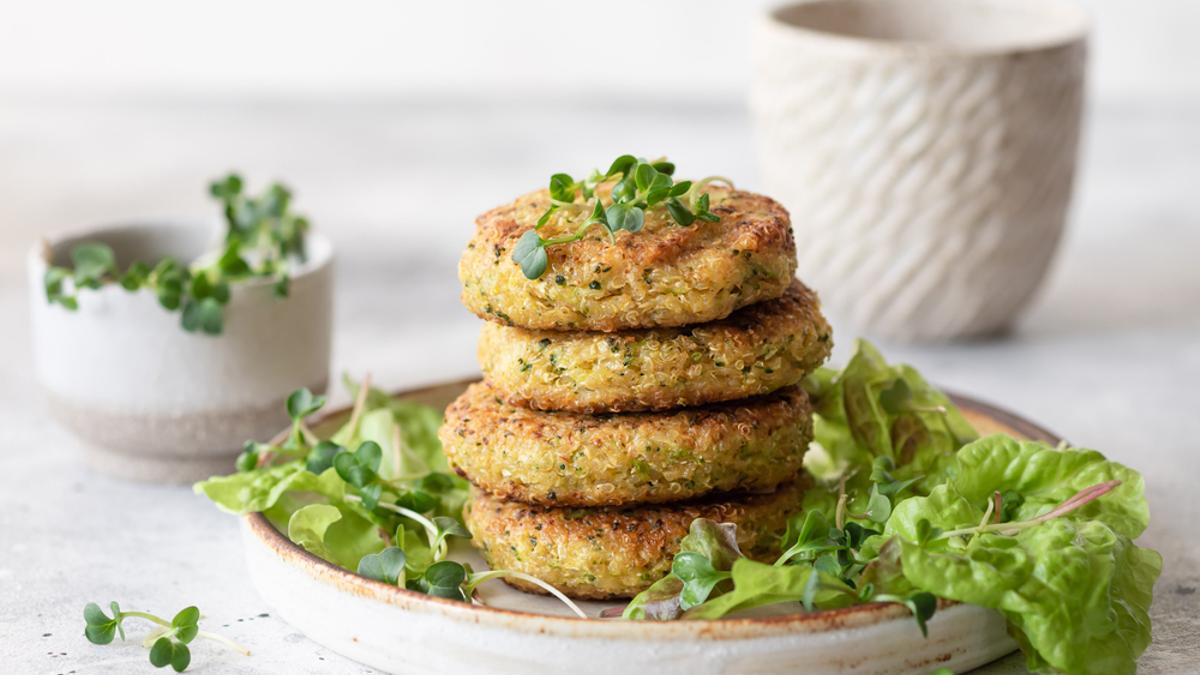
(926, 150)
(154, 402)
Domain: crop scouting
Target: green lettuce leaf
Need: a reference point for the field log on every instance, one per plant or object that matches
(418, 424)
(1043, 477)
(757, 584)
(259, 490)
(379, 481)
(308, 525)
(712, 544)
(304, 490)
(1077, 593)
(659, 602)
(418, 555)
(873, 409)
(251, 491)
(334, 533)
(1075, 589)
(412, 454)
(415, 427)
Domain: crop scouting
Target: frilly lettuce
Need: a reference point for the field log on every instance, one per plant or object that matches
(326, 495)
(911, 504)
(874, 412)
(338, 534)
(375, 497)
(874, 409)
(716, 544)
(1075, 589)
(1042, 477)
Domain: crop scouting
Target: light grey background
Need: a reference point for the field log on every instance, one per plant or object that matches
(548, 46)
(397, 124)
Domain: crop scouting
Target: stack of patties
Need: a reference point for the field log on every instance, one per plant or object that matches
(641, 382)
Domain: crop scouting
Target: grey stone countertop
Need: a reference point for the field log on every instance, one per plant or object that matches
(1109, 356)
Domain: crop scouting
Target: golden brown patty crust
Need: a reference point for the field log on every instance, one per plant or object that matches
(575, 459)
(613, 552)
(664, 275)
(754, 351)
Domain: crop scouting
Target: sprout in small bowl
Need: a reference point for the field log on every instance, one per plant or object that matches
(164, 345)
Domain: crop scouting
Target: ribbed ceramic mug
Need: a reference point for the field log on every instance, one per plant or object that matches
(926, 150)
(154, 402)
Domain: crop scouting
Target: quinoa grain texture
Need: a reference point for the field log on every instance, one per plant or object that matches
(574, 459)
(665, 275)
(614, 552)
(754, 351)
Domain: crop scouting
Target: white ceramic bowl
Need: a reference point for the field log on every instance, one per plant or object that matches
(401, 631)
(926, 150)
(154, 402)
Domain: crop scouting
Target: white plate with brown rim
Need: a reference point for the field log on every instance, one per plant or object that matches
(397, 630)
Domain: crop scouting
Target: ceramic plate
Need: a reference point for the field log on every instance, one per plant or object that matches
(402, 631)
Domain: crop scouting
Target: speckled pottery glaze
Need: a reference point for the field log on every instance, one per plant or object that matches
(397, 630)
(926, 150)
(154, 402)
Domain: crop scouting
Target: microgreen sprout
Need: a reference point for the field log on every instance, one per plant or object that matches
(921, 604)
(168, 643)
(699, 578)
(808, 536)
(300, 404)
(386, 566)
(1076, 501)
(383, 477)
(909, 506)
(637, 186)
(437, 529)
(263, 238)
(477, 578)
(447, 578)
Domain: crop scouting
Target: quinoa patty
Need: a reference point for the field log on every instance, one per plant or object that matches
(754, 351)
(575, 459)
(664, 275)
(613, 552)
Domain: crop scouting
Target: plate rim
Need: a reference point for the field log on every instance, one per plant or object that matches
(257, 526)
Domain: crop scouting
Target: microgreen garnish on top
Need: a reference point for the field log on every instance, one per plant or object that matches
(263, 239)
(168, 643)
(637, 186)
